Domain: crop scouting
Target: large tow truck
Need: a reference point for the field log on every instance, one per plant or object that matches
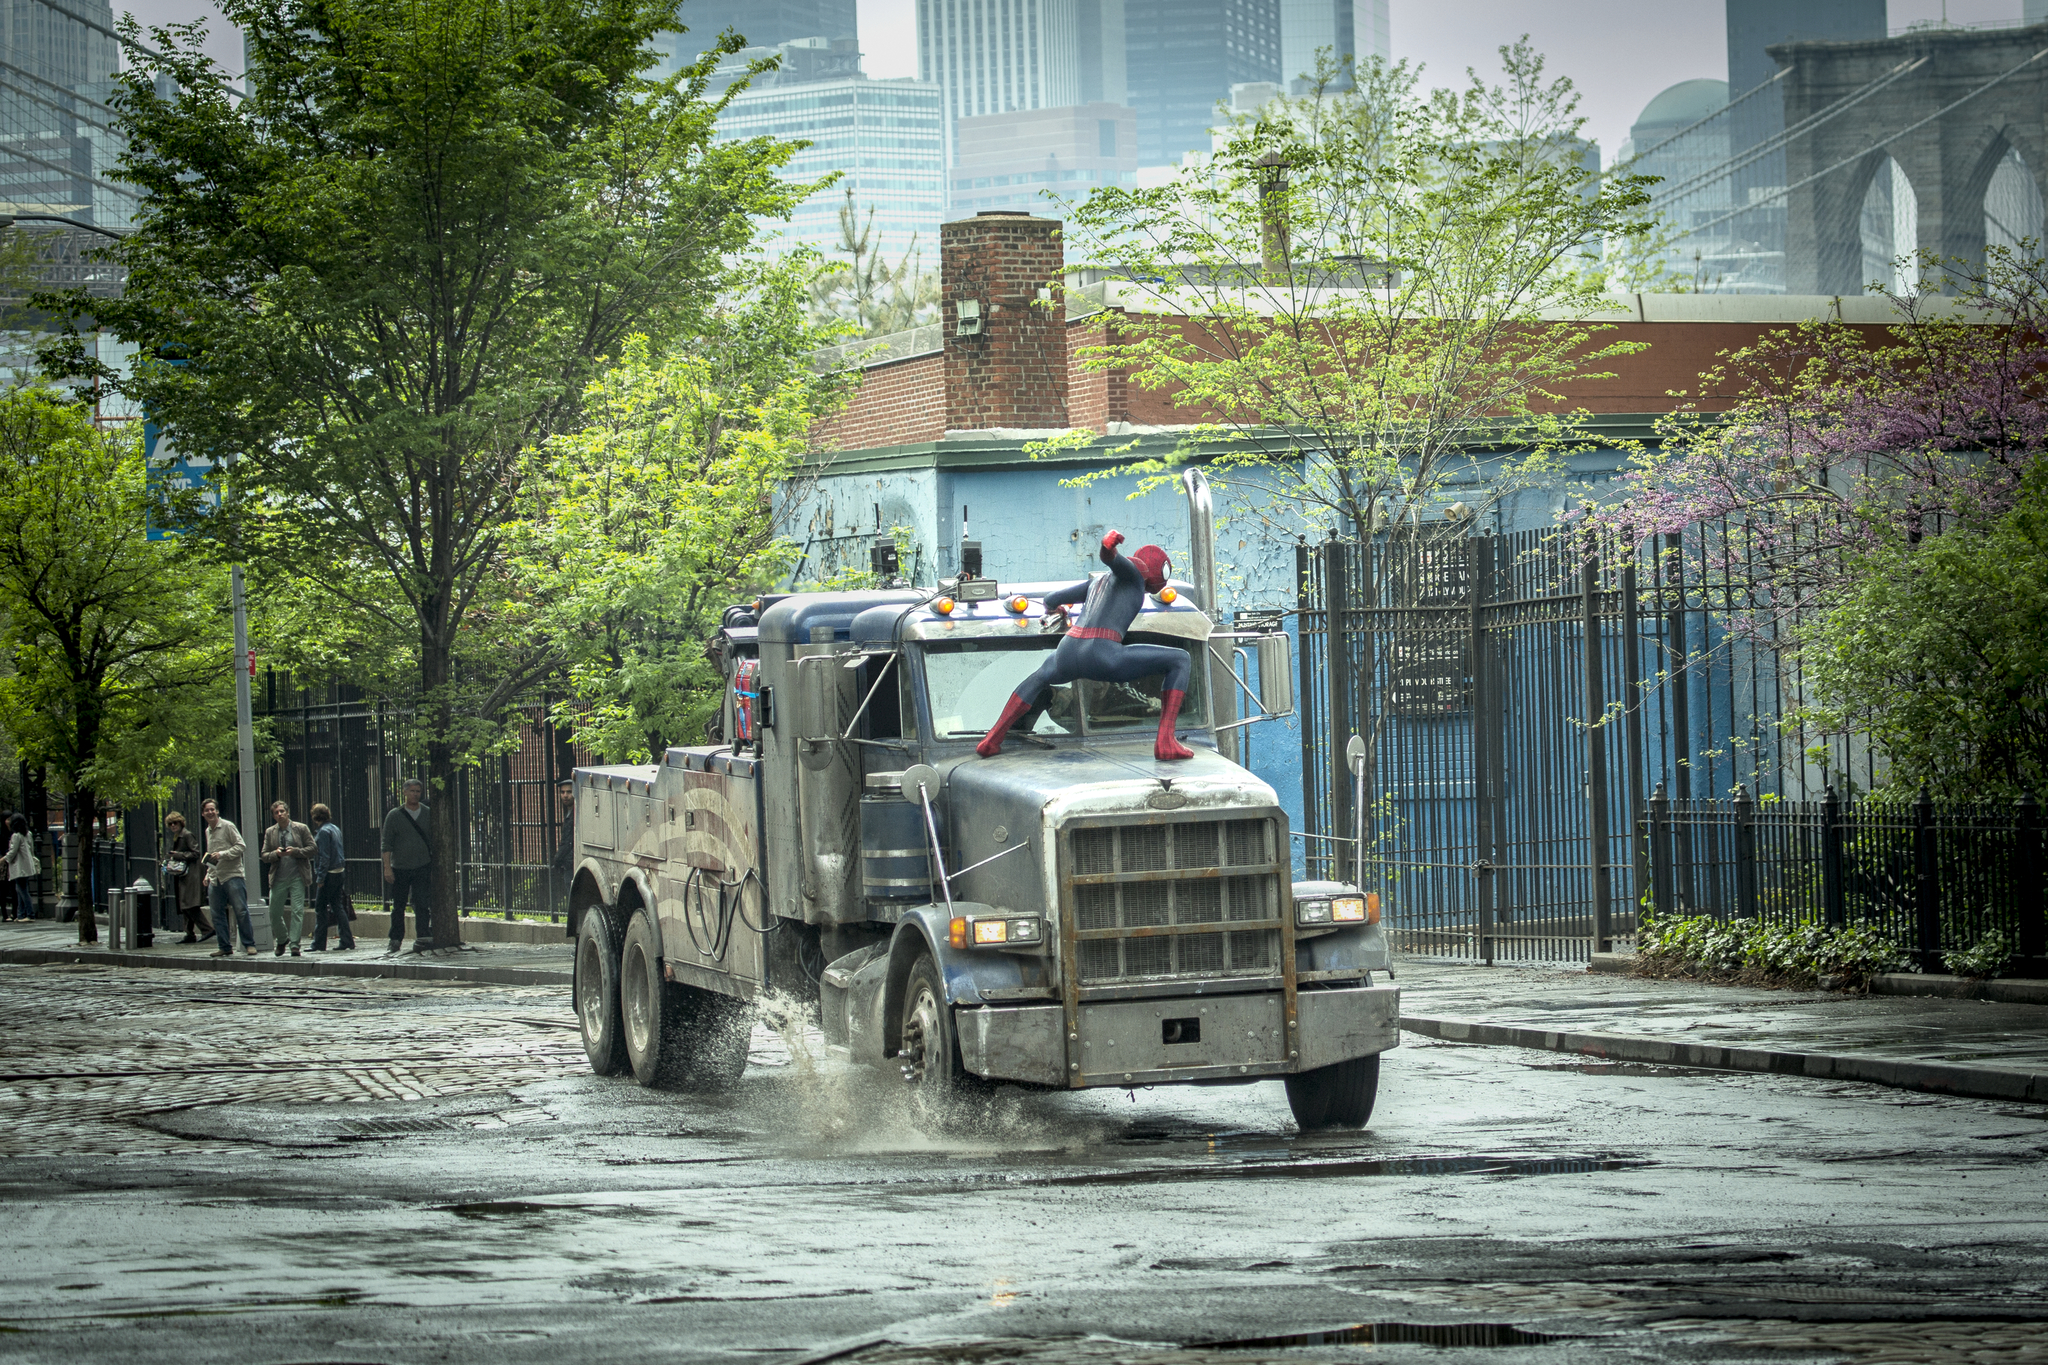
(1071, 913)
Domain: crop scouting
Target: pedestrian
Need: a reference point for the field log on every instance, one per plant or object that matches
(288, 848)
(226, 889)
(22, 870)
(186, 877)
(330, 883)
(409, 867)
(562, 871)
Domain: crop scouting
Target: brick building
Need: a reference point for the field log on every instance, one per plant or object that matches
(944, 416)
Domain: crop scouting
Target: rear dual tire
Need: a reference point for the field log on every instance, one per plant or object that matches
(596, 990)
(676, 1037)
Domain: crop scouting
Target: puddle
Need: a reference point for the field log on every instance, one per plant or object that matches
(497, 1208)
(1324, 1170)
(1397, 1334)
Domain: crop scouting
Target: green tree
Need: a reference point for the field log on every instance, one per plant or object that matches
(393, 270)
(1939, 648)
(1366, 285)
(657, 513)
(867, 294)
(118, 676)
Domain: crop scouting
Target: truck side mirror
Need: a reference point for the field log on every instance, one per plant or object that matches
(1276, 675)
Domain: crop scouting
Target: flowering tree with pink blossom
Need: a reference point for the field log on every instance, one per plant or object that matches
(1847, 451)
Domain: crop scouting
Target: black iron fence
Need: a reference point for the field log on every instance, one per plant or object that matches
(330, 745)
(1517, 698)
(1935, 878)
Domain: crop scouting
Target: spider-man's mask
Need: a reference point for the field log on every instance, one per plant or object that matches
(1153, 563)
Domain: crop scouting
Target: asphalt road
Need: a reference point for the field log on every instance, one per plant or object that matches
(243, 1168)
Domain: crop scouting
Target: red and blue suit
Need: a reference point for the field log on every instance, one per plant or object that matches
(1095, 649)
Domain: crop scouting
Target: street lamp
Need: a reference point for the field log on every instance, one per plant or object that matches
(8, 220)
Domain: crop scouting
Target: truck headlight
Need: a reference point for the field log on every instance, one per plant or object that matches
(1312, 912)
(994, 933)
(1348, 909)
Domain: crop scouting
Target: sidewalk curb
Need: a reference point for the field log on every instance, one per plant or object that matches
(276, 966)
(2007, 990)
(1942, 1078)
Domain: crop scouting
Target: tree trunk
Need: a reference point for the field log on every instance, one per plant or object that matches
(435, 667)
(85, 822)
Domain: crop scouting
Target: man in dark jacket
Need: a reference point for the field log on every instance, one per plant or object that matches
(409, 867)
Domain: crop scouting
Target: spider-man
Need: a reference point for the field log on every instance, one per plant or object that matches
(1095, 650)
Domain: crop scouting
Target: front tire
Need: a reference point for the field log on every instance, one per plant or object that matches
(676, 1037)
(1336, 1096)
(930, 1051)
(595, 990)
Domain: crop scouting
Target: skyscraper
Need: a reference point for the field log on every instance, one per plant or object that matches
(56, 136)
(1349, 28)
(764, 23)
(883, 137)
(1182, 56)
(996, 56)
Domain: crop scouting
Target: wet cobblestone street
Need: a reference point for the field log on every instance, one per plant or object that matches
(249, 1168)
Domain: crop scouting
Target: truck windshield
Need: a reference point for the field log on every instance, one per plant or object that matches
(970, 680)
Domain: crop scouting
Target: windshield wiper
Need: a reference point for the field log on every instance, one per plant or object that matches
(1027, 737)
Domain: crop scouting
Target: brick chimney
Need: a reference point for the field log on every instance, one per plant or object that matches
(1009, 368)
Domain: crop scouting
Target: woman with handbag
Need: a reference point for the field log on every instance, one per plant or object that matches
(185, 878)
(23, 867)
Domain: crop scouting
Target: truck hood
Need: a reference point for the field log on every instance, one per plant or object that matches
(992, 805)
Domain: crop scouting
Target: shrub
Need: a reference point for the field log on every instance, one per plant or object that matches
(1987, 957)
(1796, 953)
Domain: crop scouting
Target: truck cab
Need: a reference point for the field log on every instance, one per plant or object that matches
(1069, 913)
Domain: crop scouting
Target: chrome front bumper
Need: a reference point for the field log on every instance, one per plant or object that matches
(1123, 1042)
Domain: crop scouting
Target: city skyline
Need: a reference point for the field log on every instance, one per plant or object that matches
(1620, 55)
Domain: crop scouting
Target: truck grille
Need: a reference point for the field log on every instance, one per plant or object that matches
(1168, 900)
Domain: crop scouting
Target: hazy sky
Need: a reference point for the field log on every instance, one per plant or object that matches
(1619, 53)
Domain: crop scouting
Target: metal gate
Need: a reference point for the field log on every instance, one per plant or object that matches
(1496, 815)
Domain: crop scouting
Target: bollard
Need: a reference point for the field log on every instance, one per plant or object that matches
(142, 905)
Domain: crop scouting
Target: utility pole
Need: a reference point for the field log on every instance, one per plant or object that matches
(252, 820)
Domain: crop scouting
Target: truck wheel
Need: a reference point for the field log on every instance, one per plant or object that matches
(676, 1037)
(930, 1055)
(1337, 1096)
(596, 991)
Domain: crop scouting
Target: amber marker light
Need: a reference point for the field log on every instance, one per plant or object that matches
(1020, 605)
(956, 932)
(944, 606)
(1372, 907)
(1167, 597)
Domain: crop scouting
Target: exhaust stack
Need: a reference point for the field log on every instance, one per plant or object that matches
(1202, 573)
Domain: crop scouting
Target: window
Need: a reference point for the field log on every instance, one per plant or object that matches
(971, 680)
(1105, 135)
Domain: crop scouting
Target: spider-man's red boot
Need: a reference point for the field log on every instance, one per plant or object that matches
(992, 743)
(1166, 746)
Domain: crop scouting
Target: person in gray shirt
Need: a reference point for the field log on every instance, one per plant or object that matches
(409, 867)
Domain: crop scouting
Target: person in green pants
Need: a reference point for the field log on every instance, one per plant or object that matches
(288, 848)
